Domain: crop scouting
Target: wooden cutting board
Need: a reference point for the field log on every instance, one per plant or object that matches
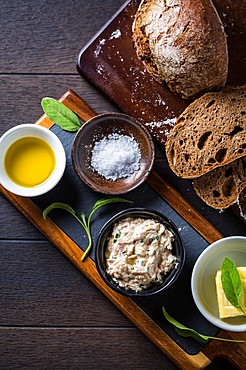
(110, 63)
(137, 312)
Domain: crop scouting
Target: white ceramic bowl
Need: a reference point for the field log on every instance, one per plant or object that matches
(41, 132)
(203, 280)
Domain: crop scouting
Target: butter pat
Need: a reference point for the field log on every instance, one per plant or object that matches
(226, 309)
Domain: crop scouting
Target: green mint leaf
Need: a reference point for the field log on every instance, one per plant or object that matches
(84, 223)
(60, 114)
(66, 207)
(104, 201)
(183, 330)
(83, 218)
(188, 332)
(231, 283)
(56, 205)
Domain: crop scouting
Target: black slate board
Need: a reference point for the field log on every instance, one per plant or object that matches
(177, 300)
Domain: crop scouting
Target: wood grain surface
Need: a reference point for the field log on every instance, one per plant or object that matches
(52, 317)
(110, 62)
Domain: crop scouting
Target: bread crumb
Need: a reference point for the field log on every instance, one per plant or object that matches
(115, 35)
(99, 47)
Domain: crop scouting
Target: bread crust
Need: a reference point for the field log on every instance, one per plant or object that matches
(221, 187)
(211, 132)
(182, 43)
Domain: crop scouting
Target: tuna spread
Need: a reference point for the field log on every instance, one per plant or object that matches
(139, 253)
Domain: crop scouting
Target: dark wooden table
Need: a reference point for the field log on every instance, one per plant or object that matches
(51, 316)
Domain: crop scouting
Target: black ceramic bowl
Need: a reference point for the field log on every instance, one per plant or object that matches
(101, 245)
(100, 127)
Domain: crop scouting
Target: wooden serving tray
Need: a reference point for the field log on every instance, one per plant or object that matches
(144, 313)
(111, 64)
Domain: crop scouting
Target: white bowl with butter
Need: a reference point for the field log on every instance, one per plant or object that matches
(203, 284)
(32, 160)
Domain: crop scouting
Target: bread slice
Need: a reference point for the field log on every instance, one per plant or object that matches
(221, 187)
(182, 44)
(211, 132)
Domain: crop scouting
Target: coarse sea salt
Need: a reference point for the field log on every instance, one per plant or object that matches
(116, 156)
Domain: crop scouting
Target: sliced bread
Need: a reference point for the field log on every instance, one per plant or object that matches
(182, 44)
(221, 187)
(211, 132)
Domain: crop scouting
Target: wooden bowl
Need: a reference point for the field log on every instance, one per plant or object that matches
(100, 127)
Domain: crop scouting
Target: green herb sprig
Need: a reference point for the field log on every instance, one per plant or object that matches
(60, 114)
(188, 332)
(231, 283)
(85, 223)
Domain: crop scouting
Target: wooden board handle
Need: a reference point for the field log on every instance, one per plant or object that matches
(78, 105)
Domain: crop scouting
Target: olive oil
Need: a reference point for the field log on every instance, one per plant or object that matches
(29, 161)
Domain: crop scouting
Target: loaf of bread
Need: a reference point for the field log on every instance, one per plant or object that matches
(211, 132)
(221, 187)
(182, 44)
